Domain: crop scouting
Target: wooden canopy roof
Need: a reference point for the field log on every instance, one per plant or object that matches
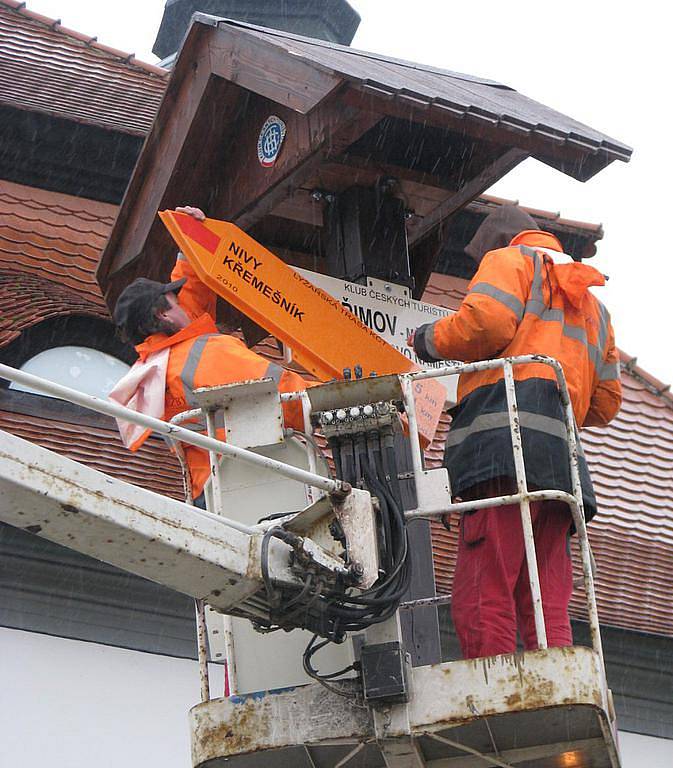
(436, 138)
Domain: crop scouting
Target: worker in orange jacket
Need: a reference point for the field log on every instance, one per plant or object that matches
(177, 318)
(523, 300)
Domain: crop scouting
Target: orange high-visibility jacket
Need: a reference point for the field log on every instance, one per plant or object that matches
(201, 356)
(520, 302)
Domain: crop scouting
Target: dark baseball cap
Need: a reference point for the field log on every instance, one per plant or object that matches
(134, 311)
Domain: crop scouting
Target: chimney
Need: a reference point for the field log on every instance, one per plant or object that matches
(331, 20)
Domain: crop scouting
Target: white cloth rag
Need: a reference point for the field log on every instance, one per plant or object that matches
(143, 390)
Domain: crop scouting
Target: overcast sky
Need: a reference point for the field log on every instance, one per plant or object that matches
(593, 61)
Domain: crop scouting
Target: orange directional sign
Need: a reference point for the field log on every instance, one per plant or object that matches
(324, 337)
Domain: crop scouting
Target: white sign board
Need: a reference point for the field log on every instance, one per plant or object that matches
(387, 309)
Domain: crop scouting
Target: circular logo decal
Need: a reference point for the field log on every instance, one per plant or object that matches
(270, 141)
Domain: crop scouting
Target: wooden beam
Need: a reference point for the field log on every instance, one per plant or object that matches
(336, 178)
(493, 171)
(428, 237)
(300, 206)
(192, 181)
(158, 159)
(267, 69)
(424, 256)
(375, 169)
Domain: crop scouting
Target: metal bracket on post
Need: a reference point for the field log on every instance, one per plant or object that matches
(251, 410)
(221, 644)
(433, 491)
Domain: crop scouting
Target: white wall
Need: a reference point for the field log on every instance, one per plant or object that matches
(645, 751)
(70, 704)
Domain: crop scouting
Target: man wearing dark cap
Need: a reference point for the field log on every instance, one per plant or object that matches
(527, 297)
(180, 349)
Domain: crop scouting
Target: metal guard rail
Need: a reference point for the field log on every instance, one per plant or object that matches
(523, 497)
(172, 431)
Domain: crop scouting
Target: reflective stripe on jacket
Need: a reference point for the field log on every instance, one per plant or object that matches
(201, 356)
(520, 302)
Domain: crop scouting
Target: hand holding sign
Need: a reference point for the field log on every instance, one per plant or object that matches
(190, 210)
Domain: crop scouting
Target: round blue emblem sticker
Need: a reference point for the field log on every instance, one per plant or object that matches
(270, 141)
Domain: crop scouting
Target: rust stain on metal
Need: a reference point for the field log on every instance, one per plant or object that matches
(254, 558)
(538, 693)
(513, 700)
(239, 734)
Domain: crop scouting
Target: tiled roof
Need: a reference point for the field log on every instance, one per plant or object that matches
(47, 68)
(58, 237)
(101, 449)
(26, 300)
(445, 291)
(488, 203)
(631, 463)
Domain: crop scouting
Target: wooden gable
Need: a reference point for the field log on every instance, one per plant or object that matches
(433, 139)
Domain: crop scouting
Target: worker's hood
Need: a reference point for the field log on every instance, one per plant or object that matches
(574, 278)
(498, 229)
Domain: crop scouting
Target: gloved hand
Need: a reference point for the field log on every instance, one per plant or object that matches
(417, 341)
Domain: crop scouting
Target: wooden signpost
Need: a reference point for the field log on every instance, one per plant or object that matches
(324, 336)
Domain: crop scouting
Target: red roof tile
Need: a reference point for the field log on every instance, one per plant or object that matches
(555, 218)
(103, 450)
(445, 291)
(55, 237)
(47, 68)
(631, 463)
(26, 300)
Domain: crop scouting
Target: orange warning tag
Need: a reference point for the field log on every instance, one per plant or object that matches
(324, 336)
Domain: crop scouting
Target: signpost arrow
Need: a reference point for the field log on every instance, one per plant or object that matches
(325, 337)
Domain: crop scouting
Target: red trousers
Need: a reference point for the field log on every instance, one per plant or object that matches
(491, 594)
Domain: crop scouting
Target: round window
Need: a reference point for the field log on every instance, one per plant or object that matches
(81, 368)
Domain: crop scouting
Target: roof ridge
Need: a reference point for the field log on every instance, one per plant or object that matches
(541, 213)
(653, 385)
(92, 42)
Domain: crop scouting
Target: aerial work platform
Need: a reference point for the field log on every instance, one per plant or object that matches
(547, 708)
(544, 708)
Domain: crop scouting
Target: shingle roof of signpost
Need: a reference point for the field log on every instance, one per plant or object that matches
(459, 95)
(123, 93)
(45, 67)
